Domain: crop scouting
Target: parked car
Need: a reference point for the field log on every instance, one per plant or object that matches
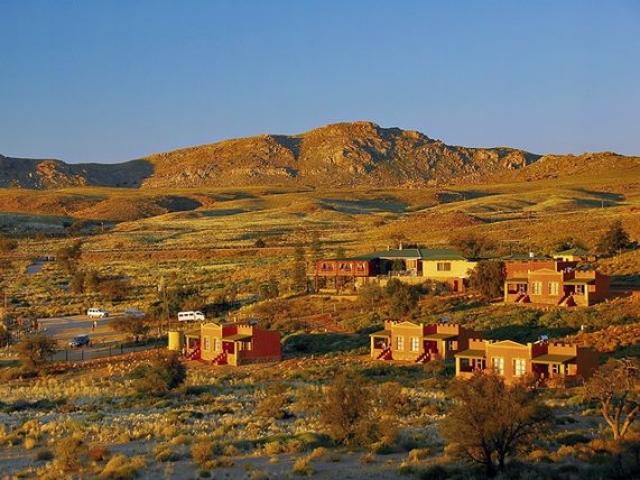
(79, 341)
(190, 316)
(134, 312)
(97, 312)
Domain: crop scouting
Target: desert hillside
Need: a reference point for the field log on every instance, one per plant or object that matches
(342, 154)
(359, 153)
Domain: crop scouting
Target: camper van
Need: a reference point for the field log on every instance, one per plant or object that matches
(190, 316)
(97, 312)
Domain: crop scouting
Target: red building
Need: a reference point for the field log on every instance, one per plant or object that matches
(233, 344)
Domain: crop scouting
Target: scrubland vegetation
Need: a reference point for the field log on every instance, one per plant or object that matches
(237, 254)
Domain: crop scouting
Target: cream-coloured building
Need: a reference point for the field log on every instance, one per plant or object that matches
(448, 266)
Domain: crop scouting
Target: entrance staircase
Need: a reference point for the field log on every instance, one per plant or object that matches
(385, 354)
(220, 359)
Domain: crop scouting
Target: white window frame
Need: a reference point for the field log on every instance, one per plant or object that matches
(536, 287)
(519, 367)
(415, 344)
(497, 364)
(399, 342)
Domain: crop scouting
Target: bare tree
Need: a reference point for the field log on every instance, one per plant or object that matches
(616, 387)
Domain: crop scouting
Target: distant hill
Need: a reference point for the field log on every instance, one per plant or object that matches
(52, 174)
(337, 155)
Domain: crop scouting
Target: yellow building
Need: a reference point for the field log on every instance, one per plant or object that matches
(447, 266)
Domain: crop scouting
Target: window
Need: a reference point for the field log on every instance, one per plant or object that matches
(554, 288)
(415, 344)
(216, 344)
(579, 289)
(536, 288)
(452, 345)
(497, 363)
(444, 266)
(519, 367)
(399, 343)
(556, 368)
(206, 344)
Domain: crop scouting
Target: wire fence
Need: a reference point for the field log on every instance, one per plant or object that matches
(75, 355)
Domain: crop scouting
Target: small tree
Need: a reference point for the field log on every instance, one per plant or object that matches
(616, 387)
(269, 290)
(134, 327)
(488, 278)
(67, 258)
(472, 245)
(347, 410)
(402, 298)
(371, 294)
(299, 272)
(614, 239)
(164, 373)
(491, 420)
(36, 350)
(315, 246)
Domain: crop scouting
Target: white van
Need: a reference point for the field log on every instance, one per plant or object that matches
(97, 312)
(190, 316)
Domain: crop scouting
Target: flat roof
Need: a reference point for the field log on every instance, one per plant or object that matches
(381, 333)
(471, 353)
(579, 281)
(553, 358)
(237, 337)
(440, 336)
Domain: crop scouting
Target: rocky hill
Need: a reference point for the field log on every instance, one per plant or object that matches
(51, 174)
(343, 154)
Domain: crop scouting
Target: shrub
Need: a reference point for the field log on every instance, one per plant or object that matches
(164, 453)
(99, 453)
(258, 475)
(36, 350)
(302, 466)
(166, 372)
(121, 467)
(181, 439)
(203, 453)
(30, 443)
(273, 402)
(70, 453)
(572, 438)
(346, 411)
(418, 454)
(434, 472)
(368, 457)
(44, 455)
(273, 448)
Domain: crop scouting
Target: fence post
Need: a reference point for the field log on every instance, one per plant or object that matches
(66, 355)
(82, 356)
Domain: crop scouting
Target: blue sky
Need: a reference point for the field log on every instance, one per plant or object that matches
(110, 81)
